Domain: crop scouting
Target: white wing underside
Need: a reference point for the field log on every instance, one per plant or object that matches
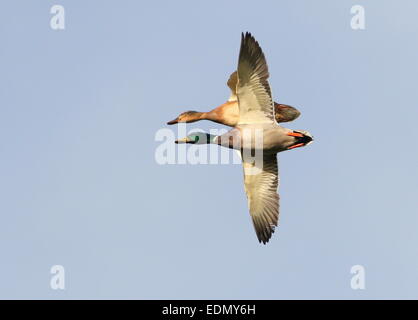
(262, 196)
(253, 90)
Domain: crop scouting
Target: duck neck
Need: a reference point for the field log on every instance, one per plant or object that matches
(211, 115)
(211, 139)
(196, 116)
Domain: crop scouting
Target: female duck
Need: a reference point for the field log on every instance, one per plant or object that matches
(228, 113)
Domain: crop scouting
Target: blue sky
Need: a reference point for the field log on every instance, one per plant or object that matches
(80, 187)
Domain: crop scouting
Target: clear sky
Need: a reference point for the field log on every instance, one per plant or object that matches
(80, 187)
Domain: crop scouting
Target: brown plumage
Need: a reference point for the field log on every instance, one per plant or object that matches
(228, 112)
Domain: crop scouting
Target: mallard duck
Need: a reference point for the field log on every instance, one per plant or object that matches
(256, 115)
(228, 113)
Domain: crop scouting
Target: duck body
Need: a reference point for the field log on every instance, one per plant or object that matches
(268, 138)
(228, 114)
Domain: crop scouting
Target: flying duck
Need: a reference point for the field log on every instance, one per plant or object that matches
(228, 113)
(256, 132)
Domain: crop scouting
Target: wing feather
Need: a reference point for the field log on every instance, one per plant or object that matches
(262, 196)
(253, 90)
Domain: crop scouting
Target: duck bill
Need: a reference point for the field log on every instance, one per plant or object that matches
(176, 120)
(184, 140)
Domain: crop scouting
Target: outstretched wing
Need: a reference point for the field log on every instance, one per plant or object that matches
(262, 196)
(253, 89)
